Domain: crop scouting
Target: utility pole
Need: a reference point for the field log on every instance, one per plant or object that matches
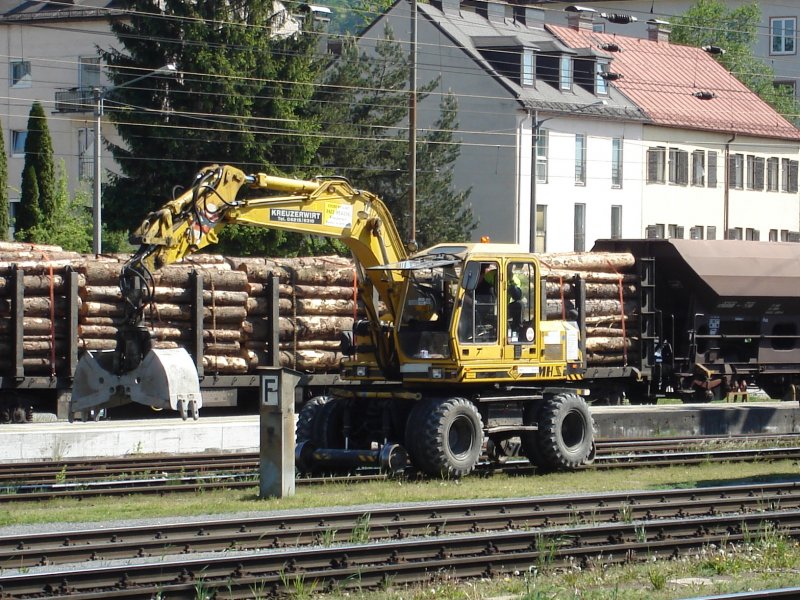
(412, 128)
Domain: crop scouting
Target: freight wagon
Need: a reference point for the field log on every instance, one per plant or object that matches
(689, 319)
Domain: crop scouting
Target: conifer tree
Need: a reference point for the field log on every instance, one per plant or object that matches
(37, 201)
(364, 106)
(5, 215)
(240, 100)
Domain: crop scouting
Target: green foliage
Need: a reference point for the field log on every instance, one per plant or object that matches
(70, 225)
(240, 100)
(351, 16)
(5, 215)
(28, 212)
(363, 102)
(37, 202)
(712, 22)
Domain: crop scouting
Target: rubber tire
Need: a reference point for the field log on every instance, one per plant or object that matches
(307, 418)
(329, 425)
(566, 432)
(450, 440)
(530, 439)
(414, 424)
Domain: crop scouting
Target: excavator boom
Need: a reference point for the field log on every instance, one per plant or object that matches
(223, 195)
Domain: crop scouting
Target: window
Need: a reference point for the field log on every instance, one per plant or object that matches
(20, 73)
(89, 72)
(655, 231)
(540, 243)
(616, 222)
(18, 142)
(678, 166)
(736, 171)
(784, 235)
(656, 161)
(773, 235)
(755, 173)
(696, 232)
(711, 171)
(786, 86)
(616, 162)
(579, 244)
(478, 321)
(565, 73)
(580, 159)
(782, 32)
(541, 156)
(789, 176)
(772, 174)
(698, 168)
(735, 233)
(599, 27)
(528, 67)
(711, 232)
(600, 85)
(675, 231)
(752, 234)
(521, 286)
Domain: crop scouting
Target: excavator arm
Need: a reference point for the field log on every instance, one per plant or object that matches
(223, 195)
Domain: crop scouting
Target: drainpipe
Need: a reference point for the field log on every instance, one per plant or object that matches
(727, 190)
(534, 135)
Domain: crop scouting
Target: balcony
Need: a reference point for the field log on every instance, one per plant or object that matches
(75, 100)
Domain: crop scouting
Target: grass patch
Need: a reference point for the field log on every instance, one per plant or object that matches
(377, 492)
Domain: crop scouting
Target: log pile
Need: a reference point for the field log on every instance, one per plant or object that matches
(612, 319)
(316, 304)
(44, 329)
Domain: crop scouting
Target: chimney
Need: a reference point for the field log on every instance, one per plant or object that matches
(658, 31)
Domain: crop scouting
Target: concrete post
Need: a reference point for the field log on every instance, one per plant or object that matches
(276, 465)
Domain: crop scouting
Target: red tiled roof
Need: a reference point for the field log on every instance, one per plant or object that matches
(661, 77)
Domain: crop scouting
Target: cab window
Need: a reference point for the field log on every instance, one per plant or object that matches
(521, 297)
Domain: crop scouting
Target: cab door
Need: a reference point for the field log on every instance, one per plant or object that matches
(521, 307)
(479, 329)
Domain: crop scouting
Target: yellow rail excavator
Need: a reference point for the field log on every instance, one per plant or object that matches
(453, 359)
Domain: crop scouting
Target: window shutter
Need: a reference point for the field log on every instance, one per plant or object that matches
(711, 178)
(652, 166)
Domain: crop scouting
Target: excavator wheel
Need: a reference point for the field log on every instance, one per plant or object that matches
(307, 419)
(530, 439)
(566, 432)
(329, 425)
(450, 440)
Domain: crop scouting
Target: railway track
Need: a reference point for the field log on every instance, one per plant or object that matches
(241, 556)
(186, 473)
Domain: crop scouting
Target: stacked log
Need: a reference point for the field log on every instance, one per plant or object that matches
(169, 318)
(45, 276)
(612, 319)
(316, 302)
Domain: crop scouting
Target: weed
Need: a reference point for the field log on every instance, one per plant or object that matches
(297, 584)
(546, 548)
(657, 577)
(360, 533)
(258, 591)
(625, 512)
(61, 476)
(201, 590)
(328, 537)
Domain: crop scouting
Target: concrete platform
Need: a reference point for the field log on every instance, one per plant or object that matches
(61, 440)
